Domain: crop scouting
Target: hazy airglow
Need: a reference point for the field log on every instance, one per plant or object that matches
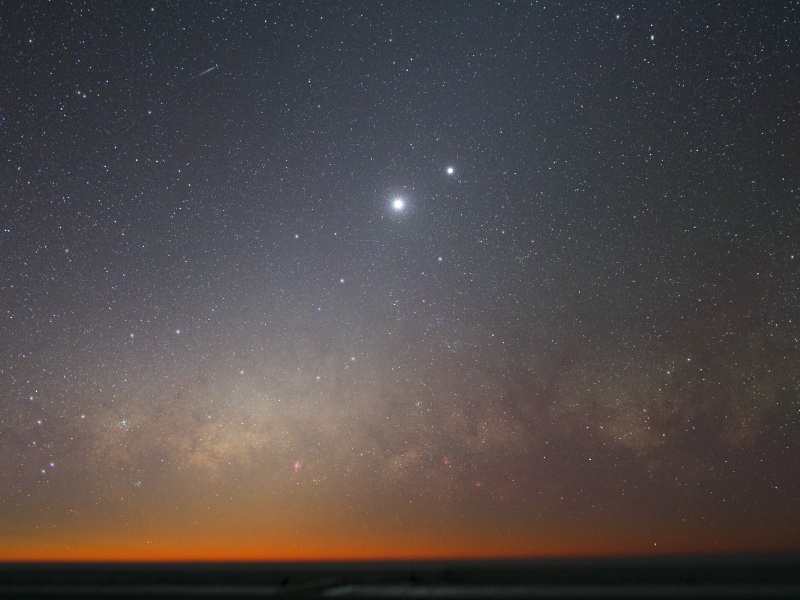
(398, 280)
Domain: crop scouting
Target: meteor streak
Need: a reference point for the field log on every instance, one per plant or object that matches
(206, 72)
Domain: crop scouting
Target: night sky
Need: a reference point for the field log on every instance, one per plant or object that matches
(398, 280)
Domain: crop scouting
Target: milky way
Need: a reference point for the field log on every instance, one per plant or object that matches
(415, 280)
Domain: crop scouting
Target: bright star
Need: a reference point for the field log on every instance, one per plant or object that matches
(398, 204)
(450, 170)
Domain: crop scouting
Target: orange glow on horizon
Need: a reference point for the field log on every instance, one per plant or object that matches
(365, 551)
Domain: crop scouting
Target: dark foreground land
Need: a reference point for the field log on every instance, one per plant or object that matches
(706, 577)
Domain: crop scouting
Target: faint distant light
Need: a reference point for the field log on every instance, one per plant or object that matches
(341, 280)
(177, 332)
(297, 236)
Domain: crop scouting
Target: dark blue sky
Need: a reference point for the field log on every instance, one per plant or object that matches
(578, 334)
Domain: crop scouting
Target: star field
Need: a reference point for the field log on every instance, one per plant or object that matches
(322, 280)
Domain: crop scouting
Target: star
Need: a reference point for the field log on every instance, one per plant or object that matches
(450, 170)
(398, 204)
